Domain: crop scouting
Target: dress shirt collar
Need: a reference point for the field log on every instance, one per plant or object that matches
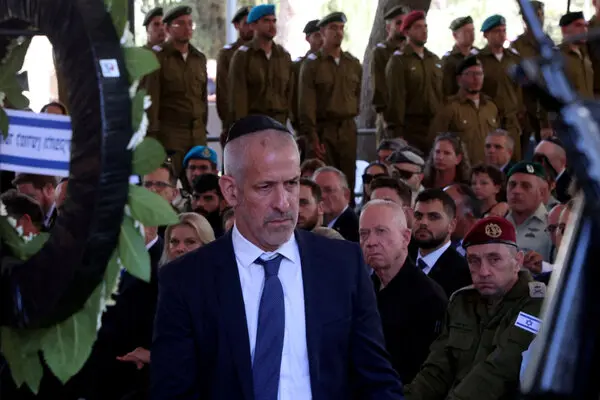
(541, 214)
(333, 221)
(560, 174)
(152, 243)
(246, 252)
(431, 258)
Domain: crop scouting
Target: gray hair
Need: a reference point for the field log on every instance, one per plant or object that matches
(341, 176)
(510, 142)
(396, 208)
(328, 233)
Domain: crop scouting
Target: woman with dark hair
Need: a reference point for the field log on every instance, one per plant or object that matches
(447, 163)
(489, 185)
(373, 170)
(54, 107)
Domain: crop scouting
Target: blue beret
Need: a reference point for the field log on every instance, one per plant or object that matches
(200, 153)
(492, 22)
(260, 11)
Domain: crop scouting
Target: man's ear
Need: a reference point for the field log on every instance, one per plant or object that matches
(229, 189)
(320, 208)
(347, 194)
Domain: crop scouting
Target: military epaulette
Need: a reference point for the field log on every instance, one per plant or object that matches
(515, 51)
(537, 290)
(243, 48)
(446, 54)
(228, 46)
(381, 45)
(398, 53)
(156, 47)
(474, 51)
(311, 56)
(461, 290)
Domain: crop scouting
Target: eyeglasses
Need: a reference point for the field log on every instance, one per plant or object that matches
(191, 25)
(157, 184)
(368, 178)
(403, 174)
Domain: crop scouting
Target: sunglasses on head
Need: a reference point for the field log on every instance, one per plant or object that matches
(368, 178)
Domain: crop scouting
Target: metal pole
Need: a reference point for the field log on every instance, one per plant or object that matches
(230, 12)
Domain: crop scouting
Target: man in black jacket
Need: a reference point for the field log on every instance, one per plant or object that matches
(411, 305)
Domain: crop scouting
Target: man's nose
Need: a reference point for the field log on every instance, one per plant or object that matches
(281, 199)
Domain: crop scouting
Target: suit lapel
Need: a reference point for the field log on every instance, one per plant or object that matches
(230, 296)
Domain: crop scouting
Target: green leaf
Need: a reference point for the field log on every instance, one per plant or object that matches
(137, 109)
(34, 245)
(12, 239)
(111, 275)
(132, 251)
(3, 123)
(67, 345)
(14, 95)
(149, 208)
(20, 349)
(148, 156)
(13, 63)
(139, 61)
(119, 13)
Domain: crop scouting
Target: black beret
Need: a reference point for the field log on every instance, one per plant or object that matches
(395, 11)
(311, 27)
(569, 18)
(252, 124)
(155, 12)
(467, 62)
(239, 14)
(176, 12)
(460, 22)
(205, 183)
(333, 17)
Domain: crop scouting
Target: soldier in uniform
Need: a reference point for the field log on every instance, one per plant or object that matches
(315, 40)
(155, 29)
(498, 85)
(224, 60)
(260, 75)
(329, 97)
(594, 47)
(381, 55)
(469, 113)
(488, 324)
(414, 81)
(178, 114)
(463, 31)
(578, 66)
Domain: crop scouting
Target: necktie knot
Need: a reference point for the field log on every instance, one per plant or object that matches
(271, 266)
(422, 264)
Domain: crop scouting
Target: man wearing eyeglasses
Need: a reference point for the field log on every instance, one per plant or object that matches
(408, 165)
(178, 114)
(468, 113)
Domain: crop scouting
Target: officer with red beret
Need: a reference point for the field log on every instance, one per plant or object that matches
(488, 324)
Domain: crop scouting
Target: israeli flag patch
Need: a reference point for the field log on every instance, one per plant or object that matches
(528, 323)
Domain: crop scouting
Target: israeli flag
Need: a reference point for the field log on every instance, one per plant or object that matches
(528, 323)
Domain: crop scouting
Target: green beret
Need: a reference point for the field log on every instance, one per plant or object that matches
(569, 18)
(155, 12)
(311, 27)
(467, 62)
(460, 22)
(333, 17)
(239, 14)
(395, 11)
(176, 12)
(492, 22)
(526, 167)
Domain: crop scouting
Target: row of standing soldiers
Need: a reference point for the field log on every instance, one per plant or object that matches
(415, 94)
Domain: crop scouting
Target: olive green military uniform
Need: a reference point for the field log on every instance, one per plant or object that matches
(414, 96)
(470, 121)
(532, 234)
(260, 85)
(329, 96)
(478, 354)
(594, 54)
(450, 61)
(179, 111)
(223, 61)
(578, 69)
(381, 55)
(295, 89)
(505, 93)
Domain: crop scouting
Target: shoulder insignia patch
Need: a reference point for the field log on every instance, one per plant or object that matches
(446, 54)
(227, 46)
(438, 65)
(381, 45)
(537, 290)
(312, 56)
(398, 53)
(515, 51)
(156, 48)
(243, 48)
(474, 51)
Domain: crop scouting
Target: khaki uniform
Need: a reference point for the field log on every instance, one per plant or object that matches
(478, 354)
(472, 123)
(578, 69)
(414, 96)
(532, 235)
(260, 85)
(328, 102)
(179, 111)
(223, 61)
(295, 85)
(449, 63)
(594, 54)
(505, 93)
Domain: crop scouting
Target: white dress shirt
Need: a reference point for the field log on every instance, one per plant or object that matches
(431, 258)
(294, 381)
(333, 221)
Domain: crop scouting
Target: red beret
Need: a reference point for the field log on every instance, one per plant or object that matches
(411, 18)
(491, 230)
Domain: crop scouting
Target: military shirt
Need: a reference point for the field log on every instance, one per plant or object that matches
(223, 61)
(532, 235)
(381, 55)
(329, 90)
(478, 354)
(296, 64)
(260, 83)
(594, 53)
(178, 89)
(414, 88)
(450, 61)
(578, 69)
(470, 121)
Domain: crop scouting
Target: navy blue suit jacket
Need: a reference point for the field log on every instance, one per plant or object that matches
(201, 348)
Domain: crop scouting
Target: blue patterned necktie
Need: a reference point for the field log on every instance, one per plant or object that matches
(422, 264)
(266, 365)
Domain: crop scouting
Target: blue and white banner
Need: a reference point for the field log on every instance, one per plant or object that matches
(36, 143)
